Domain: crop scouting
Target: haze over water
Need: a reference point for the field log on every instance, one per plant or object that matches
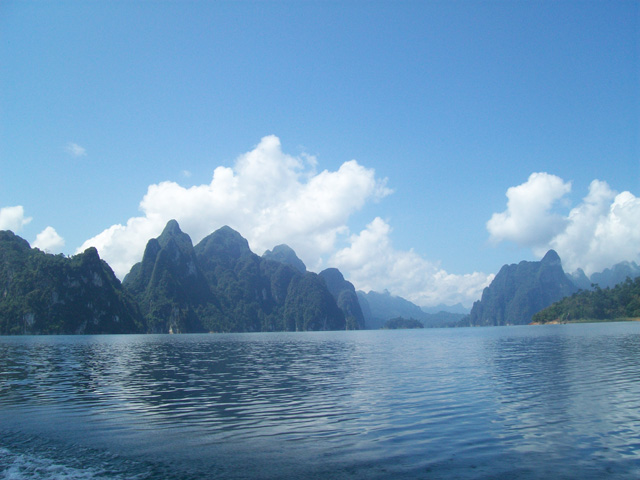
(506, 402)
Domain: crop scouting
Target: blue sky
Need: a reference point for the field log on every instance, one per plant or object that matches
(446, 107)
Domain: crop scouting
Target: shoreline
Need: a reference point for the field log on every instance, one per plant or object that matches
(588, 320)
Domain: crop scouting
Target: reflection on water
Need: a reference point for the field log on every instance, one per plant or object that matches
(517, 402)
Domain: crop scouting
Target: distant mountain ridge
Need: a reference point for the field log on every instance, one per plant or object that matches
(610, 277)
(378, 308)
(220, 285)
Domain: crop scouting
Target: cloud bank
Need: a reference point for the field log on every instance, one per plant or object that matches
(268, 196)
(373, 264)
(271, 197)
(602, 230)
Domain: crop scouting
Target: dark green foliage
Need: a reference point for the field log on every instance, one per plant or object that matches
(400, 322)
(519, 291)
(234, 275)
(218, 286)
(345, 296)
(52, 294)
(221, 286)
(310, 306)
(169, 287)
(619, 302)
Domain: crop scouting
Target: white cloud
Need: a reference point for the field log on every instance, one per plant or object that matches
(602, 231)
(75, 150)
(12, 218)
(528, 219)
(596, 234)
(268, 196)
(373, 264)
(49, 241)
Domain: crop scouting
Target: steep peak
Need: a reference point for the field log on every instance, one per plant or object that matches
(551, 258)
(224, 241)
(92, 253)
(172, 232)
(332, 275)
(172, 228)
(285, 254)
(89, 257)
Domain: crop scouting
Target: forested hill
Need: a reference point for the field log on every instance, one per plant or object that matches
(219, 285)
(619, 302)
(42, 293)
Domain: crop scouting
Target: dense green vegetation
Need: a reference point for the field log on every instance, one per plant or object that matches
(221, 286)
(52, 294)
(619, 302)
(217, 286)
(400, 322)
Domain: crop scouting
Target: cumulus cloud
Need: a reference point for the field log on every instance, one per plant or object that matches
(270, 197)
(373, 264)
(75, 150)
(12, 218)
(599, 232)
(49, 241)
(529, 219)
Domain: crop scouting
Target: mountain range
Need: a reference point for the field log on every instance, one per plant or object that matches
(220, 285)
(379, 307)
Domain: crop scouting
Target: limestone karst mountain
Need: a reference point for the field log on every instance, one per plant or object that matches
(520, 290)
(345, 296)
(220, 285)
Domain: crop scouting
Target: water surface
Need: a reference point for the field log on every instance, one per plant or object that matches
(558, 401)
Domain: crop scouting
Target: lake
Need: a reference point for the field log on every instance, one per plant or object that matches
(531, 402)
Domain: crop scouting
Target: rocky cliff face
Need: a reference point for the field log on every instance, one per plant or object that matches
(345, 296)
(52, 294)
(519, 291)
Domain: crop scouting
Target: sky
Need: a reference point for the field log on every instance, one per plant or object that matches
(416, 146)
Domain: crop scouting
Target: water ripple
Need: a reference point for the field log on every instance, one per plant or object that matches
(467, 403)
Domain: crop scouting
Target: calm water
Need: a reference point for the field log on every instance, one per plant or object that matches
(514, 402)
